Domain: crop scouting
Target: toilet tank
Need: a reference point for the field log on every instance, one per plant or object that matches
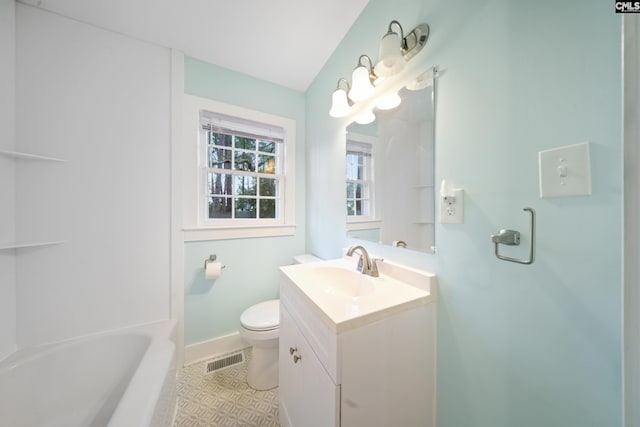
(305, 258)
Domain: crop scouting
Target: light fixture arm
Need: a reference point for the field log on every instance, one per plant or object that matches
(342, 79)
(390, 31)
(372, 75)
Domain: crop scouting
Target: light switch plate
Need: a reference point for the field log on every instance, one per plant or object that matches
(565, 171)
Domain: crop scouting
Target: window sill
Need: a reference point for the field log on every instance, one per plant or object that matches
(196, 234)
(355, 224)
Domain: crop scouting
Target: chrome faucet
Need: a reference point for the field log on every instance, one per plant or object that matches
(366, 265)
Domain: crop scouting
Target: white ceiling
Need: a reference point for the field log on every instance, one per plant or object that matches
(286, 42)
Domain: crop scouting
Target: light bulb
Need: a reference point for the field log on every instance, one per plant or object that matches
(340, 104)
(391, 60)
(361, 84)
(365, 118)
(389, 102)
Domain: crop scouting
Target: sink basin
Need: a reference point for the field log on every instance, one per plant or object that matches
(342, 282)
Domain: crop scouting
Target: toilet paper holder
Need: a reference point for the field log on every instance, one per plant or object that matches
(211, 258)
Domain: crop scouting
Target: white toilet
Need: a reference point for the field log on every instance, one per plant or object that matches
(260, 327)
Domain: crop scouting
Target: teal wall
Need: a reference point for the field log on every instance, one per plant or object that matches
(213, 308)
(524, 346)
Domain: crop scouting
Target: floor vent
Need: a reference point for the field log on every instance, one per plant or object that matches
(224, 362)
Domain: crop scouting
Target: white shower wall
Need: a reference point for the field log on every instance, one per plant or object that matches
(7, 176)
(102, 102)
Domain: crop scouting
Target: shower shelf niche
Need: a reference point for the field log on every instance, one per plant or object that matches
(27, 156)
(18, 155)
(20, 245)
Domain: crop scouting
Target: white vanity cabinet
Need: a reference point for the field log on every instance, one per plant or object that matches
(376, 368)
(308, 396)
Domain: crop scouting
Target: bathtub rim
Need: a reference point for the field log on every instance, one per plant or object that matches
(158, 329)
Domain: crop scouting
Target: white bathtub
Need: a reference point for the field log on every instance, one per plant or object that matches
(123, 379)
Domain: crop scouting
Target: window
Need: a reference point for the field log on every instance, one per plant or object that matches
(243, 169)
(359, 180)
(239, 172)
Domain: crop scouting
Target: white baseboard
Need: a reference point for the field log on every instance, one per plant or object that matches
(198, 352)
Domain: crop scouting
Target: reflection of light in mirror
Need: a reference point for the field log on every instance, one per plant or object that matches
(366, 118)
(422, 81)
(389, 102)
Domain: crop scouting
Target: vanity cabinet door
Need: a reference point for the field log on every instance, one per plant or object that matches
(308, 396)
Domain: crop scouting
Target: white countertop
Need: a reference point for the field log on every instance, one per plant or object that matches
(382, 296)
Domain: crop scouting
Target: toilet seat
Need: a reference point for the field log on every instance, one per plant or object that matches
(264, 316)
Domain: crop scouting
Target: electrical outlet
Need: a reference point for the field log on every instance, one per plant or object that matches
(452, 208)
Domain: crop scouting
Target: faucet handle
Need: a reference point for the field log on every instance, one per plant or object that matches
(374, 266)
(360, 267)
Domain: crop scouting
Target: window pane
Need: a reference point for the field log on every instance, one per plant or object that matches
(350, 208)
(267, 146)
(245, 143)
(358, 207)
(351, 171)
(266, 164)
(267, 208)
(268, 187)
(221, 139)
(246, 185)
(219, 158)
(350, 190)
(358, 188)
(365, 207)
(244, 161)
(219, 183)
(219, 207)
(245, 208)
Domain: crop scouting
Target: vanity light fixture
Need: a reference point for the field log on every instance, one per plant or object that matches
(361, 80)
(396, 50)
(340, 105)
(389, 102)
(366, 118)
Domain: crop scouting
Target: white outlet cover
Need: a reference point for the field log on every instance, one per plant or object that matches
(565, 171)
(453, 213)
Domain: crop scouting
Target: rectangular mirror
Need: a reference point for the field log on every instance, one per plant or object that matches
(390, 196)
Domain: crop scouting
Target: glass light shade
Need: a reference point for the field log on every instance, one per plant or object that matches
(389, 102)
(365, 118)
(378, 81)
(339, 104)
(361, 87)
(391, 58)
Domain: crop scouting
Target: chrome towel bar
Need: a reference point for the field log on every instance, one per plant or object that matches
(512, 238)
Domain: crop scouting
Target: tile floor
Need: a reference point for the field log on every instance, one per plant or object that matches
(223, 399)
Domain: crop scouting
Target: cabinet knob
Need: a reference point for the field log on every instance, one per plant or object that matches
(292, 350)
(296, 358)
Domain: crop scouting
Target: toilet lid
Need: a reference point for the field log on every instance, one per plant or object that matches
(262, 317)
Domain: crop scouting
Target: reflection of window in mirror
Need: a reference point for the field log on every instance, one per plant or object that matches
(359, 183)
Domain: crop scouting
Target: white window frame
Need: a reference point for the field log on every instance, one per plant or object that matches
(197, 225)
